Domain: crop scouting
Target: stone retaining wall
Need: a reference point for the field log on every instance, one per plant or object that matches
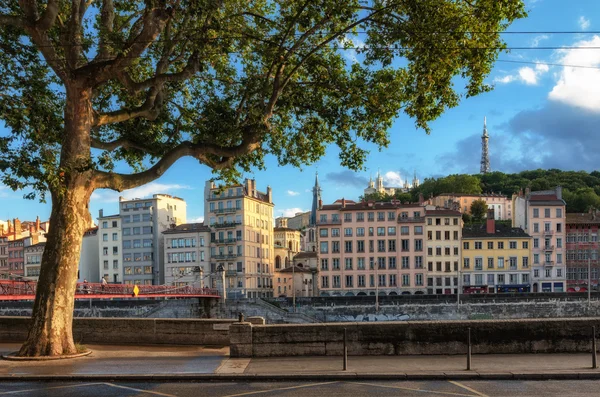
(414, 337)
(131, 331)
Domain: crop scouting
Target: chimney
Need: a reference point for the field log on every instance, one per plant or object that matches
(18, 230)
(31, 230)
(101, 213)
(343, 202)
(320, 203)
(527, 191)
(491, 222)
(37, 223)
(10, 227)
(559, 192)
(269, 194)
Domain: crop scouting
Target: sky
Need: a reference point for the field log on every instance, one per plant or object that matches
(542, 113)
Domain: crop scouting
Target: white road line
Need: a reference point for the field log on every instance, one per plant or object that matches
(468, 388)
(3, 393)
(140, 390)
(280, 389)
(445, 393)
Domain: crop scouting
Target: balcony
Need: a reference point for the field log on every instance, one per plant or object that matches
(549, 263)
(329, 222)
(225, 257)
(226, 225)
(225, 210)
(418, 219)
(230, 273)
(224, 241)
(548, 232)
(549, 248)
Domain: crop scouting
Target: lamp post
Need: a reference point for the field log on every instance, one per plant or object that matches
(376, 287)
(458, 289)
(293, 287)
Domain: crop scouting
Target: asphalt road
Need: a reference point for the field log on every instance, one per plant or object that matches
(305, 389)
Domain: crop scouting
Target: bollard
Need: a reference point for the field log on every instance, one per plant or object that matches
(468, 349)
(345, 349)
(594, 356)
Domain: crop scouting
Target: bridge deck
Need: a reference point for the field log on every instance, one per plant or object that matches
(25, 290)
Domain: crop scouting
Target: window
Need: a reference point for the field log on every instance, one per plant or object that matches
(105, 265)
(418, 230)
(104, 251)
(405, 262)
(418, 279)
(360, 231)
(348, 264)
(105, 237)
(405, 245)
(381, 231)
(360, 246)
(418, 245)
(559, 212)
(325, 282)
(405, 280)
(536, 212)
(525, 262)
(114, 237)
(466, 264)
(324, 247)
(546, 212)
(349, 283)
(335, 246)
(360, 216)
(465, 245)
(361, 263)
(323, 232)
(525, 244)
(479, 263)
(336, 264)
(348, 231)
(548, 272)
(380, 245)
(347, 246)
(324, 264)
(404, 230)
(115, 264)
(490, 263)
(336, 282)
(104, 224)
(391, 230)
(381, 263)
(536, 227)
(512, 262)
(418, 262)
(126, 231)
(335, 232)
(478, 245)
(347, 217)
(500, 245)
(490, 279)
(392, 262)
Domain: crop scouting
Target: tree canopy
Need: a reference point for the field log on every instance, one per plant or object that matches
(478, 209)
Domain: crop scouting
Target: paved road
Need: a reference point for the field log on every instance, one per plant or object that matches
(304, 389)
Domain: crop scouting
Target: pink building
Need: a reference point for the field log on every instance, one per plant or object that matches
(542, 215)
(370, 247)
(582, 250)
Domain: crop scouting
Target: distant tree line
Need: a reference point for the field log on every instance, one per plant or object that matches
(581, 190)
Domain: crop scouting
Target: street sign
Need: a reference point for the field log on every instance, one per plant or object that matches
(136, 291)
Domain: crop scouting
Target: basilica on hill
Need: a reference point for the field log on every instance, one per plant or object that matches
(379, 188)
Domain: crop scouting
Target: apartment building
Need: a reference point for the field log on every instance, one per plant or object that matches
(242, 243)
(110, 248)
(142, 224)
(501, 205)
(3, 257)
(368, 247)
(294, 278)
(496, 258)
(542, 215)
(89, 260)
(33, 260)
(16, 255)
(443, 229)
(186, 254)
(582, 251)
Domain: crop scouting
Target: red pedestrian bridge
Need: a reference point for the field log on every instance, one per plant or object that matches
(13, 290)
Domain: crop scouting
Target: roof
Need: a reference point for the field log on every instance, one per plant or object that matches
(92, 231)
(367, 205)
(42, 244)
(502, 231)
(442, 212)
(472, 195)
(296, 269)
(285, 229)
(302, 255)
(188, 228)
(109, 216)
(582, 218)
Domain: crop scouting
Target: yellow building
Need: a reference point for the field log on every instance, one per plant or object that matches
(495, 258)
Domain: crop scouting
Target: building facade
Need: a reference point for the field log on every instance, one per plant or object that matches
(33, 260)
(242, 243)
(16, 256)
(89, 260)
(443, 229)
(294, 278)
(110, 253)
(186, 254)
(582, 251)
(495, 258)
(368, 248)
(542, 215)
(3, 257)
(142, 224)
(501, 205)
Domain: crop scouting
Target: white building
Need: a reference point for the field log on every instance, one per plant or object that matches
(88, 258)
(33, 260)
(110, 264)
(186, 254)
(143, 221)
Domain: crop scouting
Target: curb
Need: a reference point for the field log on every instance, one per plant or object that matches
(350, 376)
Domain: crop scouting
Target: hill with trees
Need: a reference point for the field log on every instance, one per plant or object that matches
(581, 190)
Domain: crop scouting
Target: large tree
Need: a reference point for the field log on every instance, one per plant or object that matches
(90, 85)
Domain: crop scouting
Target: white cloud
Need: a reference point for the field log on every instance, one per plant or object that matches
(392, 179)
(354, 42)
(526, 74)
(111, 196)
(195, 220)
(579, 87)
(536, 40)
(583, 22)
(288, 212)
(292, 193)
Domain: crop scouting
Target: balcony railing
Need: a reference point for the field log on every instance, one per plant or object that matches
(329, 222)
(549, 248)
(548, 263)
(225, 257)
(548, 232)
(225, 210)
(224, 241)
(225, 225)
(417, 219)
(230, 273)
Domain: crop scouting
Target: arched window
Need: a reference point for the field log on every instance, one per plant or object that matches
(277, 262)
(290, 245)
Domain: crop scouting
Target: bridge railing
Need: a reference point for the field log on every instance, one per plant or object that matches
(22, 288)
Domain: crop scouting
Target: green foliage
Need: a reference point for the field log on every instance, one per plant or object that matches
(404, 198)
(245, 80)
(478, 210)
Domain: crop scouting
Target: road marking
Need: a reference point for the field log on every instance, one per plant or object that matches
(412, 389)
(140, 390)
(280, 389)
(468, 388)
(3, 393)
(233, 366)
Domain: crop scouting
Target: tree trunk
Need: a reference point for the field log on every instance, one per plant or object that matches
(51, 331)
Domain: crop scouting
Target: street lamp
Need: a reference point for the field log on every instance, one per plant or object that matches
(221, 269)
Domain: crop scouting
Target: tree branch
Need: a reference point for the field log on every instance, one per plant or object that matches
(11, 20)
(48, 18)
(119, 143)
(107, 19)
(149, 110)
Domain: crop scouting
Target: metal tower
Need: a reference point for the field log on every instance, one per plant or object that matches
(485, 157)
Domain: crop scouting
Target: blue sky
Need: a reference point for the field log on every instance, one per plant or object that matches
(538, 116)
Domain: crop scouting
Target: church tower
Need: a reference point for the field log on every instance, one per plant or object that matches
(415, 182)
(485, 157)
(379, 182)
(315, 202)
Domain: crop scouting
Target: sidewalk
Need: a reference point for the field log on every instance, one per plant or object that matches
(211, 364)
